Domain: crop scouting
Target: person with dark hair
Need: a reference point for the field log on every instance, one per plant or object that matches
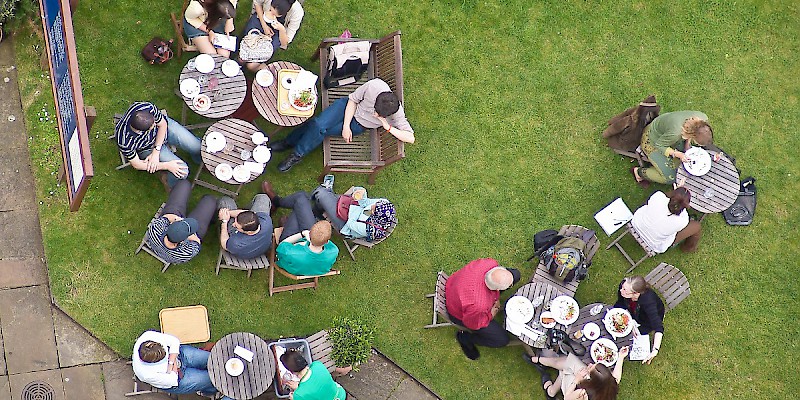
(174, 236)
(665, 140)
(279, 19)
(305, 247)
(664, 222)
(348, 116)
(316, 383)
(203, 19)
(246, 233)
(143, 134)
(577, 380)
(160, 360)
(636, 296)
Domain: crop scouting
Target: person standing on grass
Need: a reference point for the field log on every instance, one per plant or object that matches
(174, 236)
(245, 233)
(473, 299)
(143, 134)
(373, 105)
(279, 19)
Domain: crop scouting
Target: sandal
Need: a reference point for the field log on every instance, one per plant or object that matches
(528, 359)
(643, 183)
(545, 380)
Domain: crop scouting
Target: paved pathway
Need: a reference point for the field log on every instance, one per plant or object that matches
(44, 354)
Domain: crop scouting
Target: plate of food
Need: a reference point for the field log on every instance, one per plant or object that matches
(604, 351)
(231, 68)
(204, 63)
(264, 78)
(302, 99)
(699, 162)
(565, 310)
(241, 174)
(618, 322)
(519, 309)
(190, 88)
(262, 154)
(591, 331)
(201, 103)
(234, 366)
(547, 319)
(223, 172)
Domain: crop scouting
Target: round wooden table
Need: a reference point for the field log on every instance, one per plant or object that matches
(258, 374)
(532, 291)
(715, 191)
(237, 135)
(584, 318)
(230, 92)
(266, 98)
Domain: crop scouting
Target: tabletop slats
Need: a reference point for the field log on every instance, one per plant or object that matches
(258, 374)
(237, 133)
(266, 98)
(584, 318)
(233, 89)
(722, 180)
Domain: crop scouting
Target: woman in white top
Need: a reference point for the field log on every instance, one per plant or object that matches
(664, 222)
(204, 19)
(278, 19)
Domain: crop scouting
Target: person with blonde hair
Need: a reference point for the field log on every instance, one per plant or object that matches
(636, 296)
(666, 139)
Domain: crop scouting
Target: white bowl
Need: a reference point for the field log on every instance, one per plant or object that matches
(190, 88)
(264, 78)
(287, 81)
(547, 314)
(201, 102)
(234, 366)
(204, 63)
(241, 174)
(258, 138)
(262, 154)
(215, 142)
(231, 68)
(591, 331)
(223, 172)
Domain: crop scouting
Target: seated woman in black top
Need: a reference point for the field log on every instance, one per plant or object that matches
(646, 308)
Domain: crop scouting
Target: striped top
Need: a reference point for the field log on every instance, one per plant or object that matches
(185, 251)
(131, 142)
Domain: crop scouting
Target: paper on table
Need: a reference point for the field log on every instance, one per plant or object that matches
(305, 80)
(244, 353)
(226, 42)
(613, 216)
(254, 167)
(513, 327)
(640, 348)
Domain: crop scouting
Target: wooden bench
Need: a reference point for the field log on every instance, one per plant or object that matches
(543, 275)
(648, 252)
(374, 150)
(144, 246)
(440, 305)
(670, 283)
(273, 266)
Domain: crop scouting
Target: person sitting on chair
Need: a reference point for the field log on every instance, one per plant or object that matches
(636, 296)
(175, 237)
(372, 105)
(366, 218)
(316, 383)
(577, 380)
(473, 299)
(305, 247)
(204, 19)
(160, 360)
(665, 140)
(245, 233)
(664, 222)
(142, 135)
(279, 19)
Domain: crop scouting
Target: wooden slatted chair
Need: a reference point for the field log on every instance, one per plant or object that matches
(353, 244)
(440, 305)
(144, 246)
(542, 274)
(321, 348)
(670, 283)
(273, 266)
(637, 155)
(123, 161)
(229, 261)
(374, 150)
(648, 252)
(177, 24)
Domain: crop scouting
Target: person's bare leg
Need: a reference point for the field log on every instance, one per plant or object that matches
(553, 389)
(558, 363)
(255, 67)
(203, 44)
(224, 52)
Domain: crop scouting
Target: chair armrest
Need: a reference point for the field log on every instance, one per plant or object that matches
(327, 42)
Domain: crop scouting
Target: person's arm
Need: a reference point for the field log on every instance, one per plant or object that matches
(401, 135)
(617, 373)
(656, 346)
(293, 19)
(153, 160)
(264, 25)
(349, 112)
(229, 26)
(224, 216)
(296, 237)
(172, 217)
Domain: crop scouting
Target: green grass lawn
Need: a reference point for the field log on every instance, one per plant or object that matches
(507, 99)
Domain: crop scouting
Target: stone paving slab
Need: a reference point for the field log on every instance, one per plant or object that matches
(19, 272)
(17, 190)
(83, 383)
(75, 345)
(17, 137)
(27, 326)
(5, 388)
(118, 380)
(51, 377)
(376, 379)
(22, 235)
(409, 389)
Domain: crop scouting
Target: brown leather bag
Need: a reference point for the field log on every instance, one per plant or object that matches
(343, 206)
(157, 51)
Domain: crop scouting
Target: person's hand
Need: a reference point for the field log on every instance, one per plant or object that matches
(650, 357)
(383, 121)
(680, 155)
(152, 161)
(679, 184)
(579, 394)
(211, 35)
(178, 168)
(277, 26)
(347, 134)
(292, 385)
(623, 352)
(305, 233)
(224, 215)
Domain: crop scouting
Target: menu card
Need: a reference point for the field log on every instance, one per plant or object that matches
(226, 42)
(613, 216)
(640, 349)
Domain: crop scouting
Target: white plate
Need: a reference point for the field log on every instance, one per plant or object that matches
(295, 93)
(547, 314)
(234, 366)
(223, 172)
(258, 138)
(699, 161)
(262, 154)
(591, 331)
(215, 142)
(204, 63)
(265, 78)
(201, 103)
(519, 309)
(190, 88)
(598, 355)
(241, 174)
(622, 315)
(287, 81)
(565, 310)
(231, 68)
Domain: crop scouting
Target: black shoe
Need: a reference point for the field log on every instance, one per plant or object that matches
(528, 359)
(280, 146)
(467, 346)
(289, 162)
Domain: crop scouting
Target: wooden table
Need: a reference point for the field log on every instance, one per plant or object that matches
(716, 190)
(585, 317)
(266, 98)
(258, 374)
(232, 90)
(532, 291)
(237, 135)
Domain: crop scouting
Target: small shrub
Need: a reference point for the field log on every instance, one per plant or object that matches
(14, 12)
(351, 340)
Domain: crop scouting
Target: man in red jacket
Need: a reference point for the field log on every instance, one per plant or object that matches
(473, 299)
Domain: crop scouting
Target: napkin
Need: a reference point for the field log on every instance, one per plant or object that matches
(513, 327)
(254, 167)
(305, 80)
(244, 353)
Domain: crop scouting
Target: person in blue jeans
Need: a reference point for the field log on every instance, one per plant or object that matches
(160, 360)
(372, 105)
(143, 134)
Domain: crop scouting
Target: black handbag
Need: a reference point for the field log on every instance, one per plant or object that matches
(744, 208)
(560, 342)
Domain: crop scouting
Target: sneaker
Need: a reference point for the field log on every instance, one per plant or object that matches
(469, 349)
(327, 183)
(289, 162)
(280, 146)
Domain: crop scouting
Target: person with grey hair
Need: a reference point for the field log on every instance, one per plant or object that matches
(473, 299)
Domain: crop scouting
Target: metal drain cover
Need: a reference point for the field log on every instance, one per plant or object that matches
(38, 390)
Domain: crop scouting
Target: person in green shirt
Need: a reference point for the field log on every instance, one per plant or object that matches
(316, 383)
(309, 252)
(665, 140)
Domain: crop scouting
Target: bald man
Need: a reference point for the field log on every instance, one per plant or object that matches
(473, 299)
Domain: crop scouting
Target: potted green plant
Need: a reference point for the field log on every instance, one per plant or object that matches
(14, 12)
(351, 343)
